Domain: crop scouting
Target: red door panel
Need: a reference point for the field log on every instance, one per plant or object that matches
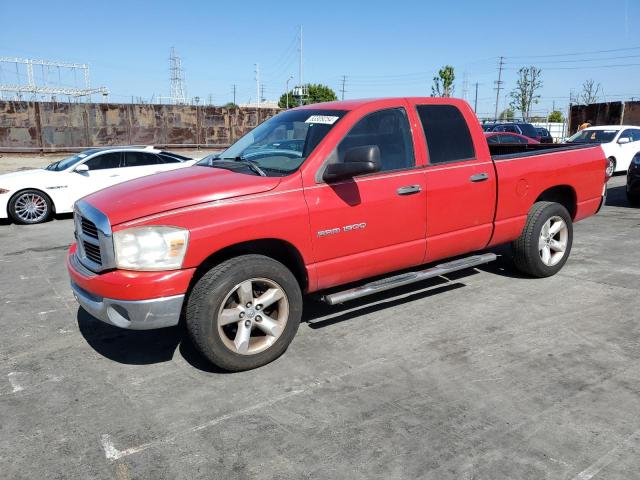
(363, 227)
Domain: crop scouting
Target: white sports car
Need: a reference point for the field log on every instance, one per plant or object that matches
(31, 196)
(619, 142)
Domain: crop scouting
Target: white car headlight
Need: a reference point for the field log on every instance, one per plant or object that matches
(150, 248)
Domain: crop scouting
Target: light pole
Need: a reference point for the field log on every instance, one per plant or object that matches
(286, 89)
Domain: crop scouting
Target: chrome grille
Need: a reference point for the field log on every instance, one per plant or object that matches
(93, 235)
(92, 252)
(89, 228)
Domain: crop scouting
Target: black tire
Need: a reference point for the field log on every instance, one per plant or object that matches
(215, 286)
(43, 201)
(614, 164)
(634, 199)
(527, 255)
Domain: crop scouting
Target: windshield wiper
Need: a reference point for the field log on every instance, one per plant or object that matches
(252, 164)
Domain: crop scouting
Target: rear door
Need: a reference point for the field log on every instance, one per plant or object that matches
(461, 182)
(140, 164)
(374, 223)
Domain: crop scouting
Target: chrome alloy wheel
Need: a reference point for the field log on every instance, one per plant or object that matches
(553, 241)
(31, 207)
(253, 315)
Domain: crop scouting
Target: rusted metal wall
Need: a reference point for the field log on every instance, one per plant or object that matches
(611, 113)
(52, 126)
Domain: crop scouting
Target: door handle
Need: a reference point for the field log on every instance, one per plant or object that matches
(409, 190)
(479, 177)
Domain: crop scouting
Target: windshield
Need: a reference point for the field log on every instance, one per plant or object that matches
(593, 136)
(66, 162)
(278, 146)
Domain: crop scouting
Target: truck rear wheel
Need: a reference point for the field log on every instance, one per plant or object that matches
(545, 243)
(244, 312)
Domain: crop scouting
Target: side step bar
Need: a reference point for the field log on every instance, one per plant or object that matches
(407, 278)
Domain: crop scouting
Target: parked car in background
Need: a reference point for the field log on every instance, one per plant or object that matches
(312, 200)
(511, 138)
(619, 142)
(31, 196)
(633, 180)
(545, 136)
(520, 128)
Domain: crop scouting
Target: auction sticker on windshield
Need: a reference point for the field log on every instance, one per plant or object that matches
(326, 119)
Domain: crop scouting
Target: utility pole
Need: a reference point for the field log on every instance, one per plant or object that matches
(234, 93)
(475, 102)
(257, 84)
(300, 78)
(498, 86)
(286, 89)
(300, 60)
(344, 79)
(261, 93)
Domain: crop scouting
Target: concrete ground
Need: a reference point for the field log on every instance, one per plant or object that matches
(486, 376)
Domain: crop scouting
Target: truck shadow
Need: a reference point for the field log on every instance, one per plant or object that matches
(145, 347)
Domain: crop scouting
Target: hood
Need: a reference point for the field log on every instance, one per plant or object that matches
(9, 180)
(166, 191)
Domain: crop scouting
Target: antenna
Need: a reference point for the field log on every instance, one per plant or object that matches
(178, 94)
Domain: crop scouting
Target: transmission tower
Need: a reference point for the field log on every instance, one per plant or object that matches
(178, 93)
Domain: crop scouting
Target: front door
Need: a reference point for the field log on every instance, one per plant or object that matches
(104, 170)
(373, 223)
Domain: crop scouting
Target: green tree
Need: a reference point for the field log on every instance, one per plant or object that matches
(507, 115)
(443, 83)
(556, 117)
(230, 105)
(316, 93)
(526, 92)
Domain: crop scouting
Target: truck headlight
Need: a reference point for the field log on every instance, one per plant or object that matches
(150, 248)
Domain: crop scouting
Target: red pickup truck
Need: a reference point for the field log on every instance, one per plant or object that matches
(316, 198)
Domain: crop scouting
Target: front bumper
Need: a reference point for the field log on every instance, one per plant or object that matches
(131, 314)
(127, 299)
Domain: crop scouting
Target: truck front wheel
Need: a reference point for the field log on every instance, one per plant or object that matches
(244, 312)
(545, 243)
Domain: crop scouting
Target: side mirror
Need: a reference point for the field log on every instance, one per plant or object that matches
(357, 161)
(622, 140)
(84, 168)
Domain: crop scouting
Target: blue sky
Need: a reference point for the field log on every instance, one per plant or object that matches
(384, 48)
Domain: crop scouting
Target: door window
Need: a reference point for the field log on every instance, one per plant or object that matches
(447, 134)
(389, 130)
(633, 134)
(104, 161)
(140, 159)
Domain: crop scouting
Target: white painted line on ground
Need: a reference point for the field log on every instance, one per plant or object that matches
(112, 453)
(14, 383)
(607, 458)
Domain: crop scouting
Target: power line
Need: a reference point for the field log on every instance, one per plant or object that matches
(576, 53)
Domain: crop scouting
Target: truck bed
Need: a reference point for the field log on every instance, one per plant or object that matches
(502, 152)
